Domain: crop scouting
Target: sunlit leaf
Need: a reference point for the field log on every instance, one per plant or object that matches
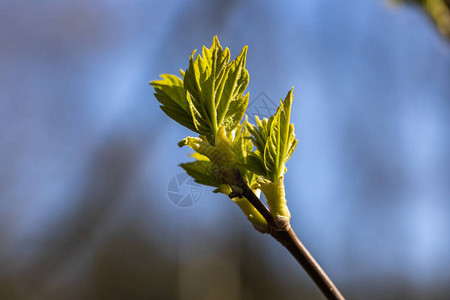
(275, 141)
(209, 99)
(255, 165)
(214, 88)
(170, 93)
(220, 155)
(203, 172)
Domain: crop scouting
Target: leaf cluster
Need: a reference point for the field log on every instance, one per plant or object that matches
(210, 94)
(209, 98)
(275, 142)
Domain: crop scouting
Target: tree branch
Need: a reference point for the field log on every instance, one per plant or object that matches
(288, 238)
(291, 242)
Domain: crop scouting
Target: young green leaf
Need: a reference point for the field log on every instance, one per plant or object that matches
(170, 93)
(203, 172)
(241, 145)
(214, 88)
(255, 164)
(281, 142)
(210, 94)
(209, 99)
(232, 104)
(220, 155)
(275, 141)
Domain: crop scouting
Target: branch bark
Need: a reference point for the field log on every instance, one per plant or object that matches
(288, 238)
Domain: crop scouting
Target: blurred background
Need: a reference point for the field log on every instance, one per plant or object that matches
(87, 156)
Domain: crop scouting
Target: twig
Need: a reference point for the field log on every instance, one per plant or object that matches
(291, 242)
(288, 238)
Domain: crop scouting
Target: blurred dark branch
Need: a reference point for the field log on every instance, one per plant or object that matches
(438, 11)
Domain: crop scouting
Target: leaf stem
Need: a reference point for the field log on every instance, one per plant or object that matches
(288, 238)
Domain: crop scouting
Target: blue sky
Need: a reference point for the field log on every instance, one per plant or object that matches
(368, 184)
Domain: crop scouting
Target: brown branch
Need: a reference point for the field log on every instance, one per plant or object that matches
(288, 238)
(291, 242)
